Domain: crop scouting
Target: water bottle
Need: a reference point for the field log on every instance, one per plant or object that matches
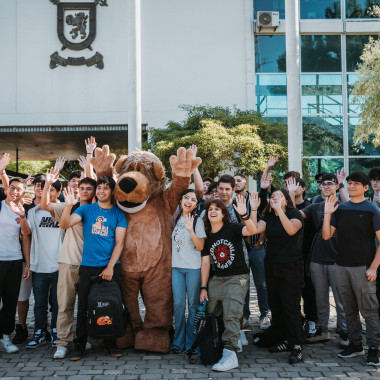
(199, 315)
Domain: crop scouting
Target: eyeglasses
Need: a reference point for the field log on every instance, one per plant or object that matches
(187, 198)
(15, 189)
(327, 185)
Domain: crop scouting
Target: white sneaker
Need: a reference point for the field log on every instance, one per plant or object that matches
(240, 346)
(228, 361)
(312, 328)
(7, 345)
(88, 346)
(242, 338)
(265, 323)
(60, 353)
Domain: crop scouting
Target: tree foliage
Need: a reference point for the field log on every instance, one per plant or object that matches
(226, 138)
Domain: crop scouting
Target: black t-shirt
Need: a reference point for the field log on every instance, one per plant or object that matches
(308, 230)
(226, 250)
(282, 247)
(2, 194)
(322, 251)
(356, 225)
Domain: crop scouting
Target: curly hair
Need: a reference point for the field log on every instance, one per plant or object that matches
(226, 214)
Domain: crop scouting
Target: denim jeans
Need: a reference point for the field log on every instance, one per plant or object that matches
(42, 283)
(185, 281)
(256, 263)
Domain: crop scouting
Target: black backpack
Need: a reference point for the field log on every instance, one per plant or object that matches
(106, 310)
(209, 340)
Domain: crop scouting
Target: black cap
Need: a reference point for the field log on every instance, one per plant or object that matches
(330, 177)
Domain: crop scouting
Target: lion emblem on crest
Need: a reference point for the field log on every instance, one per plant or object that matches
(80, 25)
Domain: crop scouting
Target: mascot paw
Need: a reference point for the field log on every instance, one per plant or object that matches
(103, 161)
(125, 341)
(154, 340)
(183, 164)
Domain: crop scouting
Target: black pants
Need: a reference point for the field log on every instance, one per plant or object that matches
(85, 274)
(309, 300)
(284, 285)
(10, 280)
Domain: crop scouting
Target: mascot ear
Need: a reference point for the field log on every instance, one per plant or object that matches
(120, 163)
(158, 170)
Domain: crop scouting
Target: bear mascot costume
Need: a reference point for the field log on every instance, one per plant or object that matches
(146, 258)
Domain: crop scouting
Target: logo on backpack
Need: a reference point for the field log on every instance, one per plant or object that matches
(102, 321)
(103, 304)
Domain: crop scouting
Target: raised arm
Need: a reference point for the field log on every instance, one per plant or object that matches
(292, 186)
(341, 175)
(327, 229)
(3, 175)
(198, 242)
(198, 181)
(68, 220)
(51, 176)
(254, 202)
(291, 226)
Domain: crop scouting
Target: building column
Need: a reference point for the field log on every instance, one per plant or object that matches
(293, 75)
(134, 75)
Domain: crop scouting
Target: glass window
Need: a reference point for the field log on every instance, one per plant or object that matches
(322, 93)
(269, 5)
(311, 9)
(271, 94)
(354, 101)
(359, 8)
(363, 164)
(358, 150)
(322, 135)
(320, 53)
(355, 46)
(270, 54)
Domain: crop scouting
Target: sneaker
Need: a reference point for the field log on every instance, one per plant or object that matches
(228, 361)
(54, 338)
(60, 353)
(343, 339)
(7, 345)
(88, 346)
(111, 350)
(296, 355)
(265, 323)
(373, 356)
(245, 323)
(175, 351)
(240, 346)
(21, 334)
(78, 352)
(351, 351)
(311, 329)
(319, 337)
(281, 347)
(243, 339)
(38, 339)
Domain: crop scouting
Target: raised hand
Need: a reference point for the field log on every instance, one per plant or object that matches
(52, 175)
(341, 175)
(4, 161)
(18, 209)
(82, 162)
(29, 179)
(275, 203)
(254, 201)
(291, 185)
(241, 207)
(194, 149)
(266, 181)
(60, 162)
(70, 198)
(90, 145)
(27, 200)
(330, 206)
(183, 164)
(189, 222)
(272, 161)
(103, 161)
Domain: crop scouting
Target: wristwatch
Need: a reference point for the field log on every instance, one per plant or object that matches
(341, 186)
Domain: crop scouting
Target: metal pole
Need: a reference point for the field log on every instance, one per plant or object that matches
(134, 75)
(17, 160)
(293, 74)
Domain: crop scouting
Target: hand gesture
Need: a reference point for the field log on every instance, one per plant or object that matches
(18, 209)
(183, 164)
(371, 274)
(26, 200)
(241, 207)
(107, 274)
(272, 161)
(330, 206)
(292, 185)
(70, 198)
(275, 203)
(90, 145)
(29, 179)
(60, 162)
(189, 222)
(266, 181)
(82, 161)
(254, 201)
(52, 175)
(4, 162)
(194, 149)
(341, 175)
(103, 161)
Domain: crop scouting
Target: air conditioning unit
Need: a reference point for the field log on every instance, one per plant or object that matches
(268, 19)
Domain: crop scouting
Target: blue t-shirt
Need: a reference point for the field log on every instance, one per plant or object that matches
(99, 226)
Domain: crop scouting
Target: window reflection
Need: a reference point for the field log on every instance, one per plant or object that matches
(269, 5)
(314, 9)
(354, 101)
(271, 94)
(359, 8)
(355, 46)
(359, 149)
(270, 54)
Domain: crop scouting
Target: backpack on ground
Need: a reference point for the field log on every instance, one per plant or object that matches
(106, 310)
(209, 340)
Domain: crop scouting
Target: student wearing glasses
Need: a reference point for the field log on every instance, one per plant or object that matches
(341, 194)
(188, 239)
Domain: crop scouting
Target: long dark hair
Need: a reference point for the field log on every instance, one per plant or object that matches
(289, 203)
(187, 191)
(226, 214)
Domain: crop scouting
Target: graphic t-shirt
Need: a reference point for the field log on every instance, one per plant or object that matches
(10, 248)
(99, 226)
(356, 225)
(282, 247)
(226, 250)
(184, 254)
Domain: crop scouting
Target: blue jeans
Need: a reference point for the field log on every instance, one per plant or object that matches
(185, 281)
(256, 263)
(42, 282)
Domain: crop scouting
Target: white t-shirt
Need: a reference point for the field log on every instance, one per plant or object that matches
(10, 247)
(49, 241)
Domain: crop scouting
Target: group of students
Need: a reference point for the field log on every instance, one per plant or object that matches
(295, 248)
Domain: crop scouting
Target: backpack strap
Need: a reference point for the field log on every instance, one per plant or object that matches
(196, 216)
(197, 341)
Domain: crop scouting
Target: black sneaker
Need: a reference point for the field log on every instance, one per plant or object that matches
(296, 355)
(351, 351)
(373, 356)
(21, 334)
(281, 347)
(78, 352)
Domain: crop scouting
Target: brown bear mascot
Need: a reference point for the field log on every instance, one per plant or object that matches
(146, 258)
